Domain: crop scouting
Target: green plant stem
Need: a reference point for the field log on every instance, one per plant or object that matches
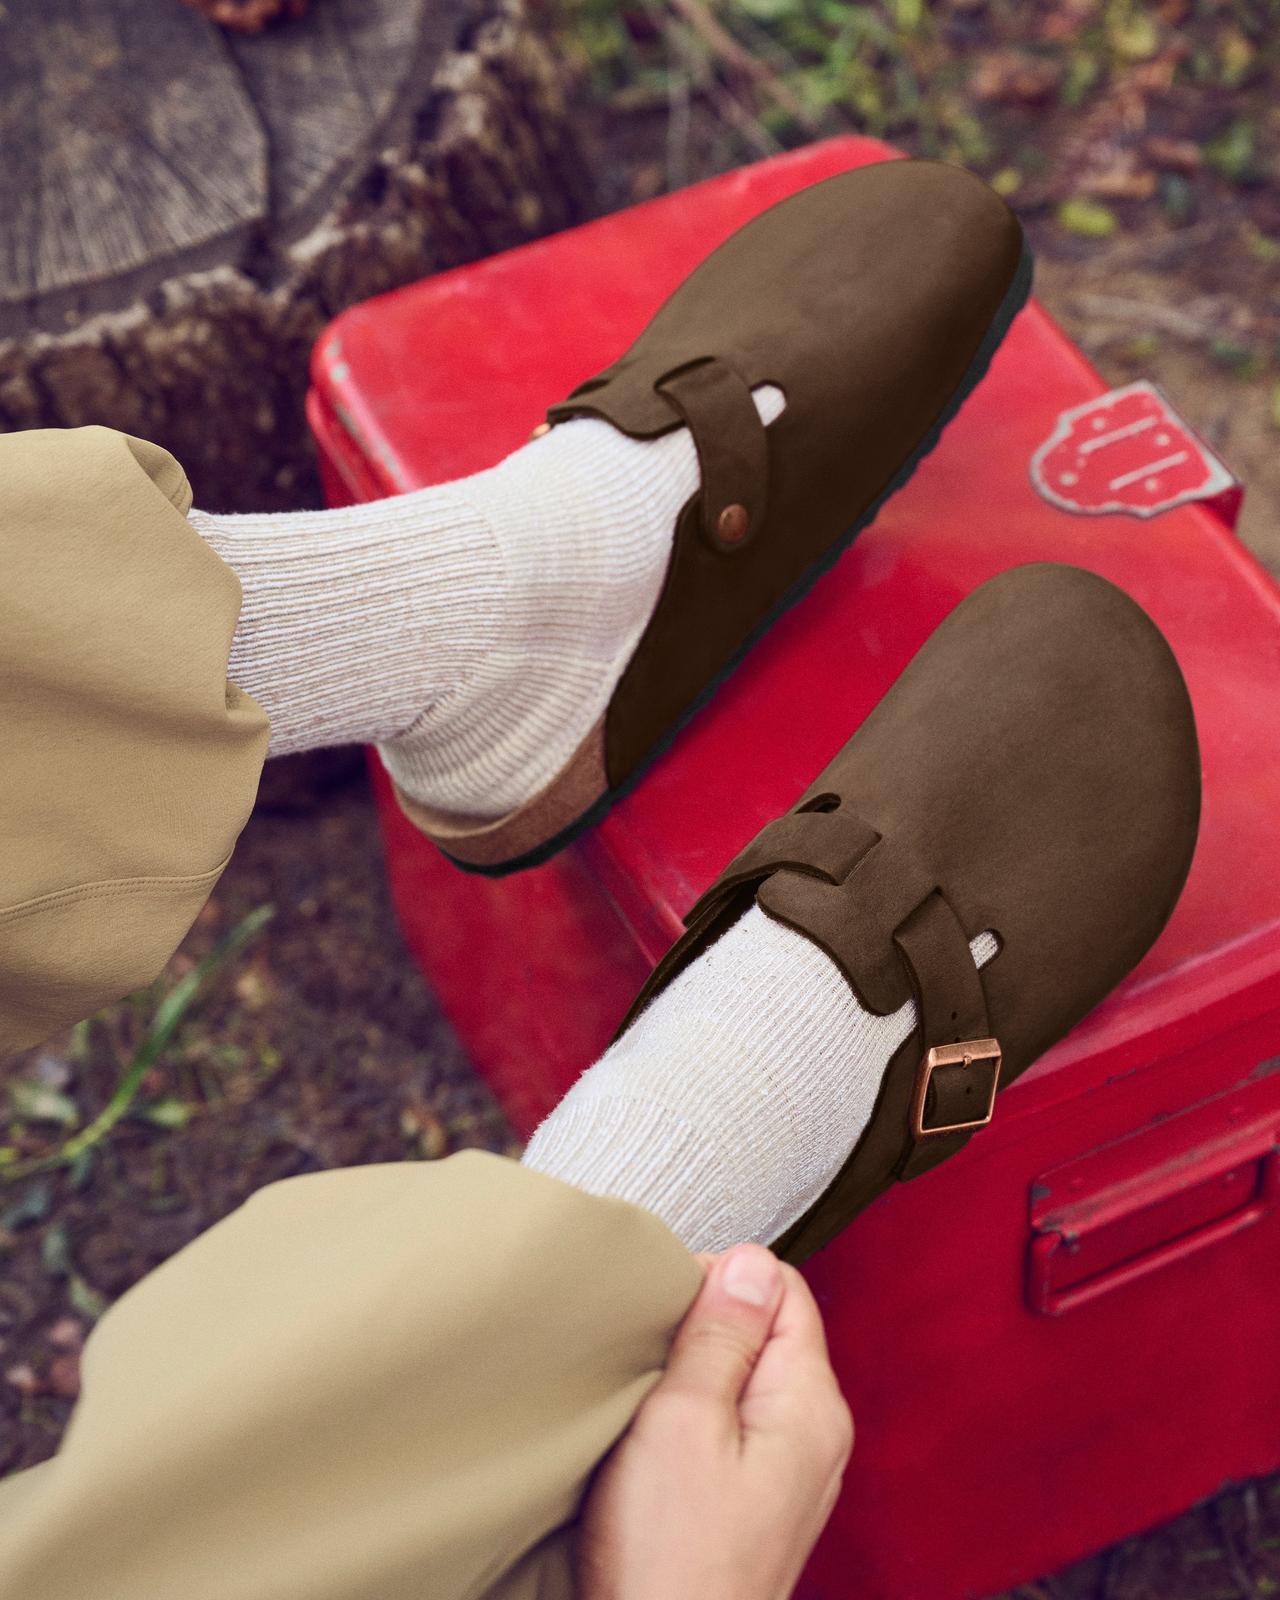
(168, 1016)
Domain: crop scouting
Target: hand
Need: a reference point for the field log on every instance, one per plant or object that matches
(731, 1466)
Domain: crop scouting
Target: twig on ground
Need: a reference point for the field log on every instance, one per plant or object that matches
(1163, 250)
(169, 1014)
(1111, 1565)
(1243, 1577)
(1252, 1516)
(734, 55)
(1168, 319)
(679, 109)
(736, 116)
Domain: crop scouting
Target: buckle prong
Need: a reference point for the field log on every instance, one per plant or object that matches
(967, 1053)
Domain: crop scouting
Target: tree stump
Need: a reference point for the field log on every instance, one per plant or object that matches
(184, 208)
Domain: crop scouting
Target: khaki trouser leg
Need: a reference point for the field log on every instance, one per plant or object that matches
(379, 1383)
(129, 764)
(383, 1382)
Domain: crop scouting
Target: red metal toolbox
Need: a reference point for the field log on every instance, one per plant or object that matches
(1107, 1254)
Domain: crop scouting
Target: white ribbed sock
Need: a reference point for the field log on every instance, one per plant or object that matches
(735, 1097)
(474, 631)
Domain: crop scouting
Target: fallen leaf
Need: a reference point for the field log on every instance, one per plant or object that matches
(1087, 218)
(55, 1251)
(1064, 21)
(1120, 183)
(81, 1168)
(1242, 359)
(63, 1378)
(1236, 53)
(37, 1103)
(1260, 245)
(31, 1207)
(1082, 74)
(85, 1298)
(23, 1378)
(1015, 77)
(253, 989)
(209, 914)
(1177, 197)
(66, 1334)
(1275, 405)
(1140, 348)
(167, 1113)
(50, 1071)
(1175, 155)
(1231, 153)
(426, 1130)
(1134, 37)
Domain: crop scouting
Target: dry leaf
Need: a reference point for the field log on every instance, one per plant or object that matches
(23, 1378)
(1120, 183)
(66, 1334)
(1013, 77)
(1064, 22)
(64, 1376)
(426, 1130)
(247, 16)
(1174, 155)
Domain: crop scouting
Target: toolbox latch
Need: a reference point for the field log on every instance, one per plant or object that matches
(1145, 1202)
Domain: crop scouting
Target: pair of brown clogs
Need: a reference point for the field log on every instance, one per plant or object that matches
(1033, 772)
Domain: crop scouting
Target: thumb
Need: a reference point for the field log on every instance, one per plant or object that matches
(726, 1327)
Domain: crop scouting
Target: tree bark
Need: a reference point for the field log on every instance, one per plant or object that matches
(185, 208)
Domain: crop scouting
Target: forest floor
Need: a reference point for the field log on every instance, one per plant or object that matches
(1139, 145)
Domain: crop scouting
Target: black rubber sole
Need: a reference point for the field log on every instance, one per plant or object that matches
(1013, 302)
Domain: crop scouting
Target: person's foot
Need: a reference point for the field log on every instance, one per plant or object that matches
(474, 631)
(581, 520)
(993, 850)
(874, 300)
(736, 1097)
(519, 645)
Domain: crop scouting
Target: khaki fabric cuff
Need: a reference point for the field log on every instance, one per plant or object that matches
(130, 763)
(391, 1380)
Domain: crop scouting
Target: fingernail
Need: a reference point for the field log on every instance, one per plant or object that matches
(750, 1276)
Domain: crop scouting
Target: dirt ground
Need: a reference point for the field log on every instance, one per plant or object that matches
(318, 1046)
(317, 1043)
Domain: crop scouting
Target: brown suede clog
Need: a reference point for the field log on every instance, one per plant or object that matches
(1034, 772)
(875, 300)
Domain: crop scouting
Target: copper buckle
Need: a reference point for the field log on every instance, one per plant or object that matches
(968, 1053)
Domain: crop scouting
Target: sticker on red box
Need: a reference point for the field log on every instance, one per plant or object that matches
(1128, 450)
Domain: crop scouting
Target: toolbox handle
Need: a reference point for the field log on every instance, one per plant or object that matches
(1044, 1296)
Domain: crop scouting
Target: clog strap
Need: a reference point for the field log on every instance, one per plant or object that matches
(957, 1066)
(713, 400)
(823, 843)
(715, 404)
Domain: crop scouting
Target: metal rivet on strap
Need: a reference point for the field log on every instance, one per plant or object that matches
(731, 524)
(543, 427)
